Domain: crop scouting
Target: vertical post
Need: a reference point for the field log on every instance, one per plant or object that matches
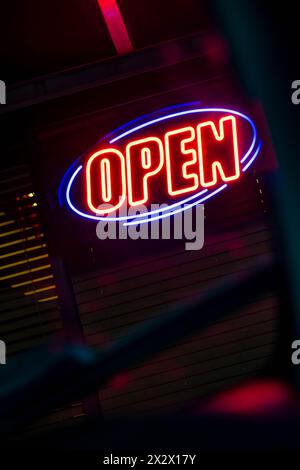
(69, 313)
(259, 55)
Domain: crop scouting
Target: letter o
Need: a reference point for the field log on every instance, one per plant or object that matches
(106, 158)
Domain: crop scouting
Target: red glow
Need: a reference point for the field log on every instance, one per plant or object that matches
(262, 396)
(120, 381)
(185, 158)
(115, 25)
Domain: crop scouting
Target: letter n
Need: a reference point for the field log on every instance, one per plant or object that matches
(218, 151)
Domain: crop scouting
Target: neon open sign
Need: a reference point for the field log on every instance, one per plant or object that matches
(181, 156)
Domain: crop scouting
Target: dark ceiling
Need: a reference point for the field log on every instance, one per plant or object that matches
(41, 37)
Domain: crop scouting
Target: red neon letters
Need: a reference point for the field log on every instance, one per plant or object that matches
(189, 158)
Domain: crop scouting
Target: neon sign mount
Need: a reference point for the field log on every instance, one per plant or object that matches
(185, 146)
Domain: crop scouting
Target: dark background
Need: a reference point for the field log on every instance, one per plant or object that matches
(68, 87)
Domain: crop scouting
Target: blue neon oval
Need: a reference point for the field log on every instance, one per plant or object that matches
(201, 196)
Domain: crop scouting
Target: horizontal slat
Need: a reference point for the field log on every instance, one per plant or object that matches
(157, 292)
(212, 247)
(199, 359)
(204, 266)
